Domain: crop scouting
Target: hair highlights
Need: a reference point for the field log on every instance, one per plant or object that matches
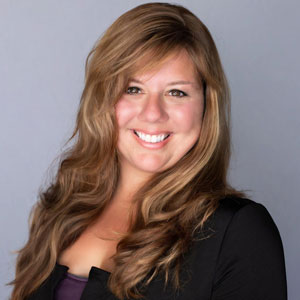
(169, 211)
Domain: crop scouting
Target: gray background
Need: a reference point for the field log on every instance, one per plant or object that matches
(43, 49)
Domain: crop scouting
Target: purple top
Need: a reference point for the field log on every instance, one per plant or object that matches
(70, 287)
(73, 287)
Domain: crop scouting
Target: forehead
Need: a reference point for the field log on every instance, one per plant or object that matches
(172, 64)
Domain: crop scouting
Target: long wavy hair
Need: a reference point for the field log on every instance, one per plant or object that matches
(174, 204)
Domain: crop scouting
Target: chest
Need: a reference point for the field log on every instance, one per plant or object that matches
(196, 278)
(88, 251)
(96, 245)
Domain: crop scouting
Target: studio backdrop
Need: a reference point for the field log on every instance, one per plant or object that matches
(42, 55)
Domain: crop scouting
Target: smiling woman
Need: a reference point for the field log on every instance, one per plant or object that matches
(141, 205)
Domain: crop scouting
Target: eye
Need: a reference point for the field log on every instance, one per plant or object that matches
(132, 90)
(177, 93)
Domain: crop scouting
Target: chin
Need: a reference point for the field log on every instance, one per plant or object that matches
(151, 167)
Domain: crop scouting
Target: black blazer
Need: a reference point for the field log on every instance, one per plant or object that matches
(243, 259)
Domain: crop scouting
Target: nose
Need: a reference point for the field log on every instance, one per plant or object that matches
(153, 109)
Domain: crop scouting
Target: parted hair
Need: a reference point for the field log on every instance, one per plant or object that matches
(175, 203)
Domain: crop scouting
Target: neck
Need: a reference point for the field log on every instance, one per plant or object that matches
(130, 181)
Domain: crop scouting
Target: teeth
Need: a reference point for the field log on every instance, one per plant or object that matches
(151, 138)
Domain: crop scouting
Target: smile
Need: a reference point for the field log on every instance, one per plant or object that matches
(149, 138)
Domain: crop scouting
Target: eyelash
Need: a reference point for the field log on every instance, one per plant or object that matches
(181, 93)
(129, 90)
(138, 91)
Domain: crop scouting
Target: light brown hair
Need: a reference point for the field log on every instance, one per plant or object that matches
(175, 203)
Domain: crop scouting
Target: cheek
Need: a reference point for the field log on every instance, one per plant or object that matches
(187, 117)
(125, 111)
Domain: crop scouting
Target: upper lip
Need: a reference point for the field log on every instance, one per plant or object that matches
(156, 132)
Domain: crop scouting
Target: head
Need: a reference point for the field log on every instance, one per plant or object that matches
(159, 118)
(138, 44)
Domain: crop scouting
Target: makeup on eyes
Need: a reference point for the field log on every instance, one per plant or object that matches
(134, 90)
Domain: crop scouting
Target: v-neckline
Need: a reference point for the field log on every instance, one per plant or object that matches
(92, 270)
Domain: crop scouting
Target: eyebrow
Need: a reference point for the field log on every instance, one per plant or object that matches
(170, 83)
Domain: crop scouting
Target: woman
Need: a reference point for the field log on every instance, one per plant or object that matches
(140, 205)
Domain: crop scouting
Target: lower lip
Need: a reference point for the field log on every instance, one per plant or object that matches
(148, 145)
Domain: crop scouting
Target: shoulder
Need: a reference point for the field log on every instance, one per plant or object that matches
(232, 205)
(250, 249)
(243, 220)
(245, 214)
(240, 216)
(242, 224)
(232, 210)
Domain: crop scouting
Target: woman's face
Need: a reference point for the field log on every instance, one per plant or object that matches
(159, 116)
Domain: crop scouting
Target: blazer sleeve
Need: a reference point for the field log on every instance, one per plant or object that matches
(251, 262)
